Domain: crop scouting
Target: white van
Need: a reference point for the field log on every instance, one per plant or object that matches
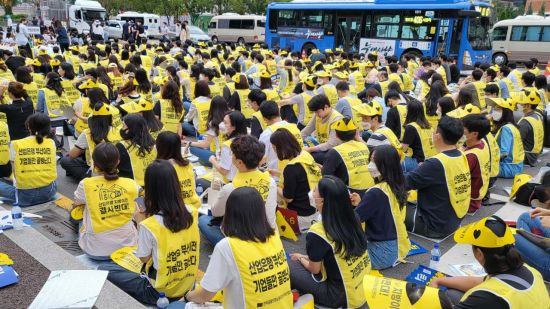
(83, 13)
(231, 27)
(521, 39)
(151, 22)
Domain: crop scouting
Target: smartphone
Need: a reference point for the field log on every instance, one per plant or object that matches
(140, 203)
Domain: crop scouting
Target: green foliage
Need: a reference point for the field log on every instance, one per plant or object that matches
(530, 9)
(7, 5)
(542, 11)
(506, 11)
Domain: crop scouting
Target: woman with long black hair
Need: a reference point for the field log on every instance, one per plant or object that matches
(336, 249)
(195, 121)
(51, 99)
(169, 108)
(166, 227)
(233, 125)
(153, 123)
(66, 72)
(417, 137)
(17, 111)
(137, 148)
(437, 91)
(382, 209)
(144, 87)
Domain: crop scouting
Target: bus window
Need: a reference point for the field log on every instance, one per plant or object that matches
(311, 19)
(387, 26)
(212, 25)
(247, 24)
(260, 24)
(499, 33)
(286, 18)
(533, 33)
(234, 24)
(546, 34)
(478, 33)
(368, 26)
(223, 23)
(328, 22)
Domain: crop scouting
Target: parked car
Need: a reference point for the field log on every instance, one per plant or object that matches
(114, 28)
(197, 35)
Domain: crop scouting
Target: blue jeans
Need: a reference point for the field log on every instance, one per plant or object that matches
(180, 304)
(27, 197)
(509, 170)
(528, 224)
(534, 255)
(212, 232)
(203, 155)
(188, 129)
(134, 284)
(186, 106)
(383, 254)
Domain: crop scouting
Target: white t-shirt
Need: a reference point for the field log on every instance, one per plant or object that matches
(272, 159)
(226, 162)
(222, 272)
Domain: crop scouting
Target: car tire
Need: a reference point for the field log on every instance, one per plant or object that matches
(500, 59)
(241, 41)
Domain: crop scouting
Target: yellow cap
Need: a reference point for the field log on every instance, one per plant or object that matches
(374, 53)
(159, 48)
(306, 60)
(55, 62)
(370, 64)
(105, 110)
(529, 97)
(341, 75)
(364, 110)
(34, 62)
(315, 51)
(42, 52)
(496, 67)
(201, 44)
(283, 53)
(264, 74)
(145, 105)
(344, 124)
(309, 80)
(256, 46)
(88, 84)
(504, 103)
(377, 107)
(74, 48)
(353, 65)
(519, 181)
(323, 74)
(328, 51)
(340, 50)
(478, 234)
(77, 213)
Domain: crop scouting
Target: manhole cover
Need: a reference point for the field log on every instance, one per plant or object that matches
(58, 229)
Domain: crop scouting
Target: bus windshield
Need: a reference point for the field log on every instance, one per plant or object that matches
(91, 15)
(478, 33)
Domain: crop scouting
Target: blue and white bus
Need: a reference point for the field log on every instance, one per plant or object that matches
(457, 28)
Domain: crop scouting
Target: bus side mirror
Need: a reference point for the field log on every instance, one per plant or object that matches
(469, 13)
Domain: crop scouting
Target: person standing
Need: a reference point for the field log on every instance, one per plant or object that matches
(62, 36)
(22, 37)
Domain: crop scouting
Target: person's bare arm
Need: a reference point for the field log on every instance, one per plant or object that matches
(312, 267)
(199, 296)
(461, 283)
(75, 152)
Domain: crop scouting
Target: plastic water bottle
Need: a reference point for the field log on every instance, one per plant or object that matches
(436, 255)
(199, 190)
(17, 217)
(162, 302)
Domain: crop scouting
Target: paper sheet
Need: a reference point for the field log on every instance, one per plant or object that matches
(70, 289)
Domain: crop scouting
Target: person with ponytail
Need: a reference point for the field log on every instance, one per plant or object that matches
(34, 165)
(169, 109)
(106, 224)
(24, 76)
(18, 111)
(100, 129)
(137, 148)
(51, 99)
(336, 248)
(382, 209)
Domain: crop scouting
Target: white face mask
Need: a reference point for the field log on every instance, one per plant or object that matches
(497, 115)
(462, 140)
(373, 170)
(223, 129)
(365, 125)
(438, 113)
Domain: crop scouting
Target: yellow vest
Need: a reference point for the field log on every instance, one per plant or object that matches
(352, 270)
(480, 90)
(457, 174)
(265, 284)
(402, 110)
(139, 164)
(441, 71)
(231, 87)
(392, 138)
(330, 91)
(291, 127)
(403, 243)
(518, 151)
(39, 80)
(34, 164)
(110, 202)
(261, 120)
(32, 91)
(322, 126)
(112, 136)
(313, 172)
(271, 66)
(186, 177)
(177, 257)
(168, 116)
(7, 74)
(384, 87)
(538, 133)
(215, 90)
(4, 144)
(484, 159)
(116, 81)
(69, 91)
(203, 108)
(509, 84)
(426, 139)
(534, 297)
(243, 97)
(307, 113)
(54, 103)
(359, 82)
(356, 158)
(254, 179)
(394, 77)
(408, 84)
(383, 292)
(491, 142)
(271, 95)
(353, 101)
(80, 125)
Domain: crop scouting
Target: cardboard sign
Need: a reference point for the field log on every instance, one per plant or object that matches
(397, 294)
(423, 275)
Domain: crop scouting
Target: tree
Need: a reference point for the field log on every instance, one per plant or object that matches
(530, 9)
(505, 10)
(542, 11)
(7, 5)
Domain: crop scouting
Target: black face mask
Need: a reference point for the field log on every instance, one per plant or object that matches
(124, 134)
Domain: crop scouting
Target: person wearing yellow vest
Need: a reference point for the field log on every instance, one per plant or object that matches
(509, 283)
(237, 264)
(229, 86)
(168, 243)
(154, 125)
(299, 102)
(505, 83)
(266, 85)
(440, 69)
(5, 165)
(321, 123)
(337, 257)
(128, 96)
(529, 222)
(325, 87)
(437, 91)
(356, 79)
(443, 184)
(137, 148)
(51, 100)
(34, 165)
(168, 146)
(23, 75)
(83, 108)
(394, 75)
(346, 102)
(108, 206)
(169, 108)
(397, 113)
(16, 107)
(195, 121)
(382, 209)
(417, 141)
(371, 116)
(238, 100)
(508, 138)
(478, 154)
(257, 122)
(66, 72)
(348, 161)
(530, 126)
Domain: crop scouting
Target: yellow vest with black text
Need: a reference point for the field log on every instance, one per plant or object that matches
(71, 93)
(480, 90)
(32, 91)
(39, 80)
(534, 297)
(254, 179)
(356, 158)
(313, 172)
(353, 101)
(426, 140)
(441, 71)
(215, 90)
(110, 202)
(265, 284)
(491, 142)
(394, 77)
(34, 164)
(538, 133)
(402, 111)
(203, 108)
(139, 163)
(394, 141)
(359, 84)
(243, 97)
(116, 81)
(168, 116)
(177, 256)
(7, 74)
(113, 137)
(54, 103)
(484, 160)
(261, 120)
(408, 84)
(352, 270)
(186, 178)
(86, 112)
(322, 126)
(271, 95)
(518, 151)
(457, 174)
(307, 113)
(330, 92)
(4, 143)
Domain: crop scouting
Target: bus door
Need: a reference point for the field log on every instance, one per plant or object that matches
(448, 38)
(348, 31)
